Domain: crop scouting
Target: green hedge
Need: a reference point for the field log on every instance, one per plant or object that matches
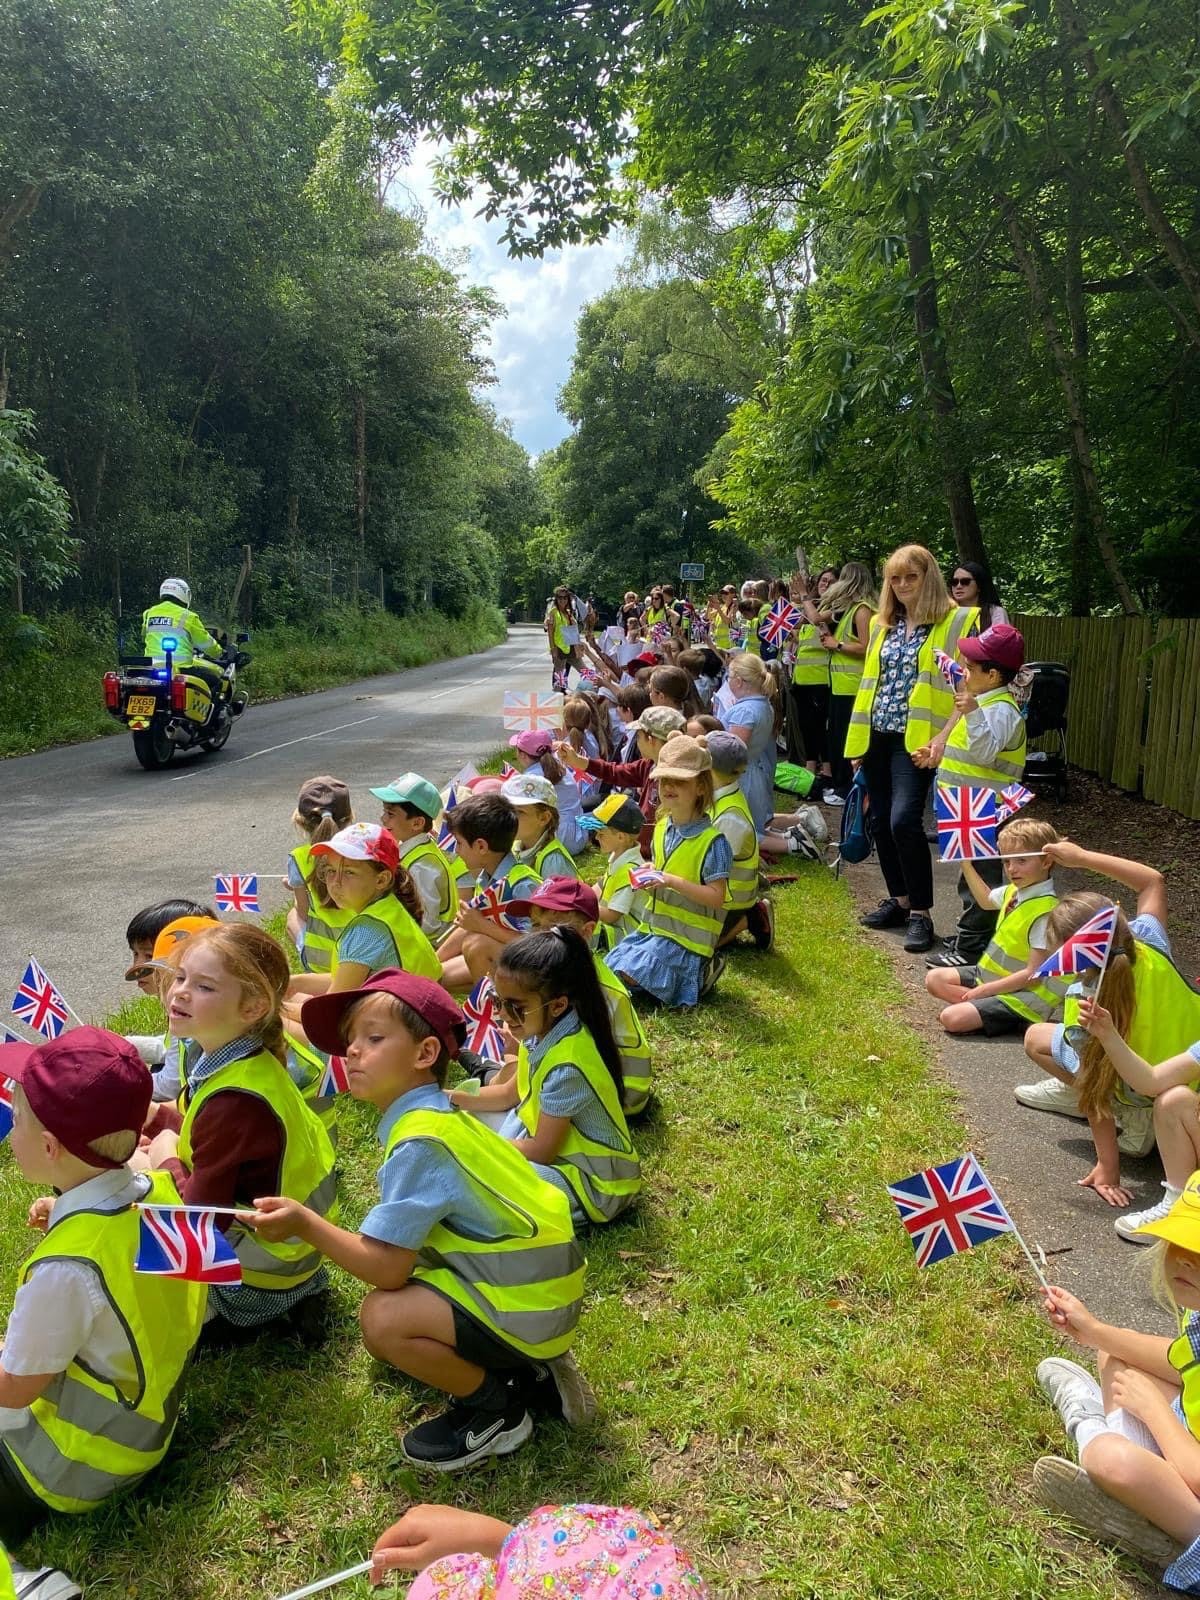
(50, 690)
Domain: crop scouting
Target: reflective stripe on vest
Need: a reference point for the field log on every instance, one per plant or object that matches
(603, 1179)
(526, 1284)
(308, 1076)
(414, 953)
(695, 927)
(167, 620)
(630, 1038)
(812, 658)
(428, 850)
(956, 770)
(1009, 952)
(306, 1172)
(609, 934)
(741, 892)
(322, 924)
(845, 671)
(932, 699)
(84, 1439)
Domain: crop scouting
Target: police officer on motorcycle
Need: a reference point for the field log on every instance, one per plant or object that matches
(172, 620)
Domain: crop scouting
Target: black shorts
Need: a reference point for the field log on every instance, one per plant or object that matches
(476, 1342)
(20, 1509)
(999, 1019)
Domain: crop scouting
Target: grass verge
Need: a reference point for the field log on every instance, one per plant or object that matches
(777, 1380)
(50, 687)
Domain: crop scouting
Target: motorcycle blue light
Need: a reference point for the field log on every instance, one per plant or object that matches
(170, 644)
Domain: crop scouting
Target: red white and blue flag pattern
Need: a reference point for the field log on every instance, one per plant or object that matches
(645, 877)
(333, 1079)
(236, 891)
(484, 1034)
(1013, 799)
(39, 1004)
(1086, 949)
(782, 619)
(6, 1110)
(490, 902)
(966, 823)
(948, 1209)
(445, 837)
(185, 1244)
(954, 673)
(531, 712)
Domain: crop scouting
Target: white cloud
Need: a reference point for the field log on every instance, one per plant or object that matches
(531, 347)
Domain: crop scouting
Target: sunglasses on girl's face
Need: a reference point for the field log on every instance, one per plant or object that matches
(518, 1010)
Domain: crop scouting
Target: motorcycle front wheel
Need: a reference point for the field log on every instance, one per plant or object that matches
(152, 747)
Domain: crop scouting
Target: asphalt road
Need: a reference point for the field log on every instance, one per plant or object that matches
(91, 838)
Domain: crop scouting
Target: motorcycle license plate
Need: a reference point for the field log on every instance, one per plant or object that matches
(141, 705)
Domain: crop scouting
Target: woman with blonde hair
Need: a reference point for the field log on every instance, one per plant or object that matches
(752, 717)
(902, 710)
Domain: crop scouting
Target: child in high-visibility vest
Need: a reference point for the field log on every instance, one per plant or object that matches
(745, 909)
(617, 824)
(158, 1050)
(567, 1116)
(537, 844)
(1136, 1431)
(485, 832)
(94, 1352)
(673, 956)
(477, 1278)
(409, 805)
(1001, 995)
(536, 750)
(322, 807)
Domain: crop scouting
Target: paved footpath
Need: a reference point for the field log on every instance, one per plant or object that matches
(90, 837)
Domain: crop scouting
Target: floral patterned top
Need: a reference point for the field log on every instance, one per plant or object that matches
(897, 676)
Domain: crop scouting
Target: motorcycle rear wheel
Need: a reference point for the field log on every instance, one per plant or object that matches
(153, 748)
(220, 738)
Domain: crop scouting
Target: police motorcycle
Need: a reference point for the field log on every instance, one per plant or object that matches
(168, 708)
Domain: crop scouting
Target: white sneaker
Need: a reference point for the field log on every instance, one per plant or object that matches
(1137, 1130)
(813, 823)
(800, 844)
(1071, 1390)
(1128, 1225)
(1062, 1486)
(43, 1583)
(1050, 1095)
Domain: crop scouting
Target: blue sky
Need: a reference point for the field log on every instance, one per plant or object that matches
(531, 347)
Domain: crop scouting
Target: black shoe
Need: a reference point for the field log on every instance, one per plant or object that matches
(713, 969)
(556, 1389)
(888, 913)
(920, 934)
(464, 1434)
(947, 958)
(760, 920)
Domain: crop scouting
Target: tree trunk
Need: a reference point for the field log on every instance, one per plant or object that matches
(1113, 108)
(935, 365)
(1081, 444)
(17, 211)
(360, 486)
(1077, 317)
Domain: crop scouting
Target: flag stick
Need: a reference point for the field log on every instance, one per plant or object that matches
(327, 1583)
(208, 1211)
(1040, 1275)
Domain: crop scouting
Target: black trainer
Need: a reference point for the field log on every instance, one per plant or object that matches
(557, 1389)
(947, 958)
(888, 913)
(920, 935)
(464, 1434)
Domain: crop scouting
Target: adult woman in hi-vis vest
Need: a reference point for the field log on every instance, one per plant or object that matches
(901, 712)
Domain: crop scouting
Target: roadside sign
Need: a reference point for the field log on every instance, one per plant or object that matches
(691, 572)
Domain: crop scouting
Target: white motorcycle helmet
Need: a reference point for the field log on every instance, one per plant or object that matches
(176, 589)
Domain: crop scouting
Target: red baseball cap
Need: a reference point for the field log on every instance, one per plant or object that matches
(322, 1015)
(560, 894)
(81, 1086)
(1001, 644)
(646, 659)
(362, 841)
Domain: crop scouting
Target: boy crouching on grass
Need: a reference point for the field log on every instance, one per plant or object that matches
(94, 1353)
(477, 1278)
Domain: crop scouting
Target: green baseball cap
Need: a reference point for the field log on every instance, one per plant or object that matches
(411, 789)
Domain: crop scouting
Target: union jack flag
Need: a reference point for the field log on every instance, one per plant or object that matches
(589, 678)
(1087, 948)
(700, 629)
(660, 633)
(949, 1208)
(782, 619)
(484, 1035)
(445, 837)
(561, 677)
(531, 712)
(333, 1079)
(966, 823)
(645, 877)
(951, 670)
(236, 891)
(507, 771)
(490, 902)
(1012, 799)
(185, 1244)
(39, 1005)
(6, 1111)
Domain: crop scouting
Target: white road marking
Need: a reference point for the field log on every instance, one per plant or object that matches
(271, 748)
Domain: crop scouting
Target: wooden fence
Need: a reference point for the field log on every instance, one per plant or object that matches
(1134, 712)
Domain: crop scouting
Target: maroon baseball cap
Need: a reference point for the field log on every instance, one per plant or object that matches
(560, 894)
(322, 1015)
(532, 742)
(1001, 644)
(83, 1085)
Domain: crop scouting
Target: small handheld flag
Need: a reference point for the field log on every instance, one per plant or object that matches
(6, 1111)
(507, 771)
(178, 1243)
(954, 673)
(530, 713)
(1088, 947)
(660, 633)
(445, 837)
(490, 903)
(782, 619)
(966, 823)
(1012, 800)
(236, 891)
(484, 1035)
(645, 877)
(39, 1004)
(333, 1079)
(328, 1583)
(949, 1208)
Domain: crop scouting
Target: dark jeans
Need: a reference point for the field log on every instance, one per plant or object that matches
(808, 713)
(20, 1509)
(897, 790)
(976, 924)
(840, 707)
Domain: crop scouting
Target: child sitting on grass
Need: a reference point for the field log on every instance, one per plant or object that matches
(617, 825)
(654, 727)
(409, 805)
(141, 936)
(477, 1279)
(485, 832)
(535, 751)
(537, 845)
(745, 909)
(314, 921)
(1001, 995)
(1136, 1431)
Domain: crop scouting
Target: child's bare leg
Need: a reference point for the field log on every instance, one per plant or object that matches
(412, 1329)
(451, 945)
(782, 821)
(943, 984)
(1038, 1039)
(456, 974)
(1177, 1130)
(1145, 1483)
(961, 1018)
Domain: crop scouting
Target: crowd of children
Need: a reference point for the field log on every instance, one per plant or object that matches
(493, 1170)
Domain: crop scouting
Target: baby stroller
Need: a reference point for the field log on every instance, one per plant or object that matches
(1046, 722)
